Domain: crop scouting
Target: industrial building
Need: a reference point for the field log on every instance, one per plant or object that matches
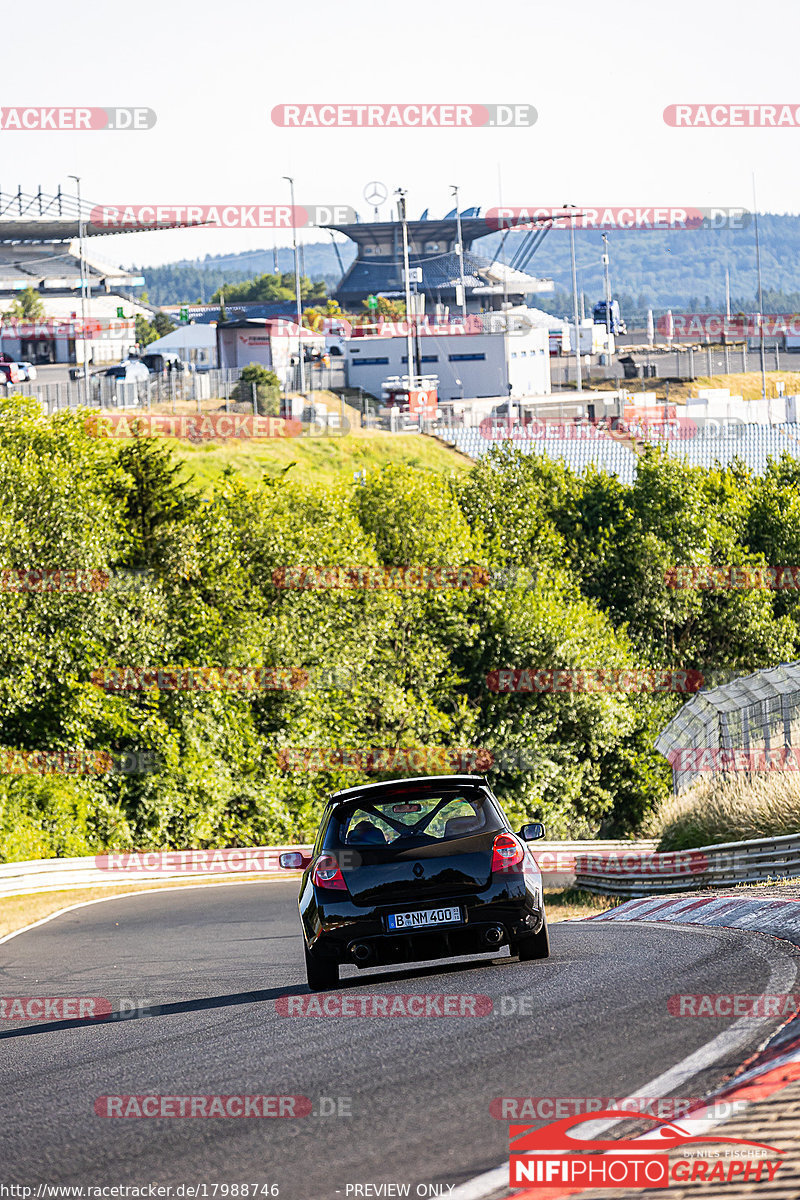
(270, 342)
(512, 361)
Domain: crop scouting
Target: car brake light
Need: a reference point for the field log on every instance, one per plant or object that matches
(507, 853)
(327, 873)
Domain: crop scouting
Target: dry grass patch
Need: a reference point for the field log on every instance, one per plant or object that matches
(729, 810)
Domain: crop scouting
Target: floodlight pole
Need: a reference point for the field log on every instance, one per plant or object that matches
(760, 301)
(575, 317)
(83, 289)
(297, 296)
(401, 209)
(454, 192)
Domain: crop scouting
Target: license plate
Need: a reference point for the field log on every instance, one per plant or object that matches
(424, 918)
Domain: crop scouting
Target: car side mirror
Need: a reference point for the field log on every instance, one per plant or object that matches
(532, 831)
(293, 860)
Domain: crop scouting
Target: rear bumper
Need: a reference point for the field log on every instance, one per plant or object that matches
(343, 932)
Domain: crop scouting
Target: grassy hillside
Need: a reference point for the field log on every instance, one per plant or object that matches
(746, 384)
(310, 459)
(319, 459)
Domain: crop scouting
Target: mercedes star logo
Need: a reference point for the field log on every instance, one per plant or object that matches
(419, 869)
(376, 192)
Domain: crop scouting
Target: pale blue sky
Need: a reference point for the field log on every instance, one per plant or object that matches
(213, 71)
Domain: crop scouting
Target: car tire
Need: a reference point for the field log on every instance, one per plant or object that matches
(322, 974)
(536, 945)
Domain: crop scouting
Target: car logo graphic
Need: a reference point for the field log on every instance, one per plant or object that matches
(375, 192)
(419, 870)
(556, 1136)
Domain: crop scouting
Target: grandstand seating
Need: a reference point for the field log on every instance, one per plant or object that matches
(751, 444)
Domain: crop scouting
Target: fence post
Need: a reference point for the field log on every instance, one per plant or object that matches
(255, 398)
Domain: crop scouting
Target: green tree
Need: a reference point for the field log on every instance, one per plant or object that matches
(150, 331)
(267, 385)
(154, 498)
(269, 288)
(28, 306)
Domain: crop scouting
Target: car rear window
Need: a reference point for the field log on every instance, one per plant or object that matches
(416, 818)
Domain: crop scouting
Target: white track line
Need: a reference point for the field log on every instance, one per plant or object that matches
(781, 978)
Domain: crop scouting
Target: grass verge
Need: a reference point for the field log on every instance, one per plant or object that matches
(571, 904)
(729, 810)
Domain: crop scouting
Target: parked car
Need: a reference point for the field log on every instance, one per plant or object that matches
(129, 370)
(165, 362)
(414, 869)
(9, 373)
(27, 372)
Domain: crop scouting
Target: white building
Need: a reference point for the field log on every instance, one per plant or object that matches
(195, 344)
(270, 342)
(513, 362)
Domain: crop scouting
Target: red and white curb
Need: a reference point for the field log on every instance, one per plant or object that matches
(777, 918)
(767, 1072)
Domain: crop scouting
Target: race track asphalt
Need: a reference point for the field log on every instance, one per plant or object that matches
(208, 967)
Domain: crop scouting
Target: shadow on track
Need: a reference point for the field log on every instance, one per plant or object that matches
(237, 998)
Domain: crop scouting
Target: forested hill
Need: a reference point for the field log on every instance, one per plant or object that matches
(659, 270)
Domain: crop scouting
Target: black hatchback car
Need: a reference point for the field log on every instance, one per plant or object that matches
(415, 869)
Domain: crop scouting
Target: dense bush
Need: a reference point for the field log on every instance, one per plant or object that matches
(389, 668)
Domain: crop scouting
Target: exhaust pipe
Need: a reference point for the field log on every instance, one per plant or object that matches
(361, 953)
(494, 935)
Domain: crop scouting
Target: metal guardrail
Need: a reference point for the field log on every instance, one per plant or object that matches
(723, 865)
(556, 861)
(66, 874)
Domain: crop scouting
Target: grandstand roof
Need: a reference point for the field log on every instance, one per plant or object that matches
(41, 217)
(57, 267)
(378, 232)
